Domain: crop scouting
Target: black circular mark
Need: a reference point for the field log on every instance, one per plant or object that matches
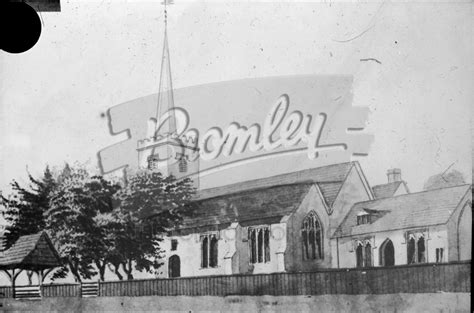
(396, 42)
(102, 114)
(20, 27)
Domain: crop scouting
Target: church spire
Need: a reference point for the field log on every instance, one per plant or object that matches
(165, 92)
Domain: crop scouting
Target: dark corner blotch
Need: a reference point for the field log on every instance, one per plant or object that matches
(43, 5)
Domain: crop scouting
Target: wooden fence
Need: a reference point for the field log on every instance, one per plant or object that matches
(449, 277)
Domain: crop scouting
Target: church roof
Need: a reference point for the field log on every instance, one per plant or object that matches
(264, 200)
(427, 208)
(386, 190)
(335, 173)
(30, 252)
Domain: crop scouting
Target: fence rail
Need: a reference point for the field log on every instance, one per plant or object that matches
(449, 277)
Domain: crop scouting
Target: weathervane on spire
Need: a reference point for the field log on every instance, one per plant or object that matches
(164, 151)
(165, 92)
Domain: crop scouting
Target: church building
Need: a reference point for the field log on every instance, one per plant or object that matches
(324, 217)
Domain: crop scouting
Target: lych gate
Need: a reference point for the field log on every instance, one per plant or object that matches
(33, 253)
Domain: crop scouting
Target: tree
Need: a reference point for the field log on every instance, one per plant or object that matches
(25, 208)
(81, 223)
(150, 205)
(442, 180)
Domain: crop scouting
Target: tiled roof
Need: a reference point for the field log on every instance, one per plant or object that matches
(250, 207)
(330, 191)
(419, 209)
(329, 174)
(30, 252)
(386, 190)
(264, 200)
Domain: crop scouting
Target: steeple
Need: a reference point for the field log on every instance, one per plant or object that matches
(165, 92)
(164, 151)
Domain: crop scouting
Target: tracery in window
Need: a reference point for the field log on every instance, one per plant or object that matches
(209, 251)
(364, 254)
(312, 236)
(416, 248)
(259, 244)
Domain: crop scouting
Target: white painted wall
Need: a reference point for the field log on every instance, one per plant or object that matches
(437, 238)
(189, 252)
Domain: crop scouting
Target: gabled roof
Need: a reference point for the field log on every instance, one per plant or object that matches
(254, 207)
(325, 174)
(329, 191)
(386, 190)
(427, 208)
(30, 252)
(264, 200)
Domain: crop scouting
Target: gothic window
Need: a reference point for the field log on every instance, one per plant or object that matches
(411, 250)
(360, 255)
(416, 249)
(312, 237)
(209, 250)
(266, 244)
(363, 254)
(421, 250)
(387, 253)
(205, 252)
(368, 255)
(174, 266)
(213, 252)
(253, 246)
(259, 244)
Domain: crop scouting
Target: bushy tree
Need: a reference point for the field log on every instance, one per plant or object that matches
(81, 223)
(95, 223)
(150, 205)
(24, 208)
(442, 180)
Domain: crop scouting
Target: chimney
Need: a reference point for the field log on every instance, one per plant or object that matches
(394, 175)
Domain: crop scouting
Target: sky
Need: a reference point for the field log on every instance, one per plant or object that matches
(94, 55)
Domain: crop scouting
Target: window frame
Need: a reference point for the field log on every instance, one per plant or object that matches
(310, 228)
(209, 257)
(364, 243)
(259, 250)
(416, 235)
(174, 245)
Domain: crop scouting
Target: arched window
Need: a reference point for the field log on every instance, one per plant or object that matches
(364, 254)
(312, 236)
(253, 246)
(387, 253)
(411, 251)
(209, 250)
(205, 252)
(266, 243)
(360, 255)
(213, 256)
(421, 250)
(368, 255)
(174, 266)
(416, 248)
(259, 244)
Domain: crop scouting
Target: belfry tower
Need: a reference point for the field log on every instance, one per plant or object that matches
(165, 151)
